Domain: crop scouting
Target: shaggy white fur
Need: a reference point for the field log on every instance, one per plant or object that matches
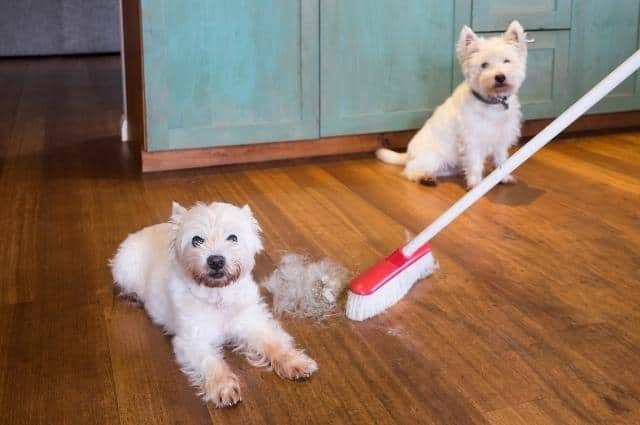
(480, 119)
(304, 288)
(193, 275)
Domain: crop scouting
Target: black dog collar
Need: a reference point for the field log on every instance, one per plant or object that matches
(492, 100)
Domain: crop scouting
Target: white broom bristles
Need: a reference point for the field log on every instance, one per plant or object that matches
(362, 307)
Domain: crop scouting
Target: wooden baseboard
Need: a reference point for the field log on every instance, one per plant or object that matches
(615, 120)
(226, 155)
(204, 157)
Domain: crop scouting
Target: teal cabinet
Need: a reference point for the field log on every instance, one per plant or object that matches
(385, 65)
(603, 35)
(229, 72)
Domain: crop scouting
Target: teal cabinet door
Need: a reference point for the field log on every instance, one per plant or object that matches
(385, 65)
(545, 92)
(229, 72)
(495, 15)
(604, 34)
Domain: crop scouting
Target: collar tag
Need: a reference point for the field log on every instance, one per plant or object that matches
(502, 100)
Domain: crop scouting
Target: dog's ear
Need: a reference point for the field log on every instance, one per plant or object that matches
(177, 211)
(257, 243)
(466, 42)
(515, 35)
(247, 210)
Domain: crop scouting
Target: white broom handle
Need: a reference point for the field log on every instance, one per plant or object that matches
(594, 95)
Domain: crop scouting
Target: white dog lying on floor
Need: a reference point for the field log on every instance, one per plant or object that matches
(480, 119)
(194, 276)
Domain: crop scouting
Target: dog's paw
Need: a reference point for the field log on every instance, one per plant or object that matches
(223, 391)
(473, 181)
(428, 180)
(294, 365)
(509, 180)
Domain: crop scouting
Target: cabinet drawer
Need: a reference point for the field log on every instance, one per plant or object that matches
(495, 15)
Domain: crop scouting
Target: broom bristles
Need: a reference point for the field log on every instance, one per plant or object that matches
(362, 307)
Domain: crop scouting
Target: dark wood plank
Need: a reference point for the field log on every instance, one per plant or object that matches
(58, 356)
(150, 388)
(22, 137)
(55, 365)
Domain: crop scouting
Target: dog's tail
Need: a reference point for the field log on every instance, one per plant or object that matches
(391, 157)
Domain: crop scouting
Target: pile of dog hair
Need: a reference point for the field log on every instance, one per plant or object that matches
(306, 289)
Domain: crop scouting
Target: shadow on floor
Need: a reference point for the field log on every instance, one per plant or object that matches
(520, 194)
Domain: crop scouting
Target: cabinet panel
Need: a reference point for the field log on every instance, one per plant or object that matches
(545, 92)
(495, 15)
(603, 36)
(230, 71)
(385, 65)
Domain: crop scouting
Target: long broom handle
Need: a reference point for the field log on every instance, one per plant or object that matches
(592, 97)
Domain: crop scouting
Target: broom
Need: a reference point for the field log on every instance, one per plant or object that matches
(389, 280)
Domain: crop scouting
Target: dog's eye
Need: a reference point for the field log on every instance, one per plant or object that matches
(232, 238)
(197, 241)
(484, 65)
(507, 61)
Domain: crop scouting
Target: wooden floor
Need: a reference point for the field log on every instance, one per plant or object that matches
(534, 316)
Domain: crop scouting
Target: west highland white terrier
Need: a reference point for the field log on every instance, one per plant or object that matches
(193, 275)
(480, 119)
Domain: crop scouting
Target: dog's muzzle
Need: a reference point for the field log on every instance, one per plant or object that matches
(219, 275)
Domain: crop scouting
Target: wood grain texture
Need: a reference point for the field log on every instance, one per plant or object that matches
(531, 319)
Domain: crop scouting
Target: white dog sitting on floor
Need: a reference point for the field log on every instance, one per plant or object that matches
(194, 276)
(480, 119)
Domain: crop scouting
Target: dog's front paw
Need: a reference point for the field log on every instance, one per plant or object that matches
(223, 391)
(473, 181)
(428, 180)
(294, 365)
(509, 180)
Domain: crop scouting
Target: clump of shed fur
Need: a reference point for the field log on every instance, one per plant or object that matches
(306, 289)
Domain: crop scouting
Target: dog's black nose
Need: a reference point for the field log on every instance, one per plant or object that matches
(216, 262)
(500, 78)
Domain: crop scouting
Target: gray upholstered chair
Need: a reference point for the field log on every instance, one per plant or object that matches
(58, 27)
